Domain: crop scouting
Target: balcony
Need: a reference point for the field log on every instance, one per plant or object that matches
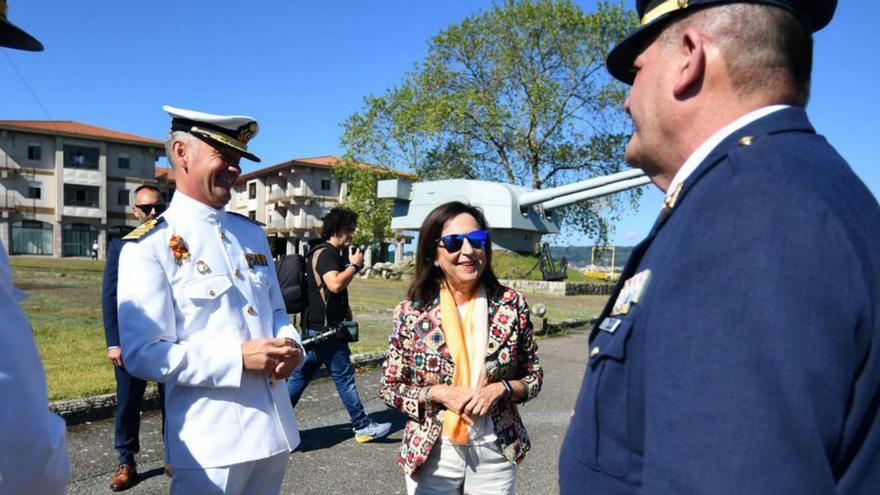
(287, 197)
(293, 225)
(82, 211)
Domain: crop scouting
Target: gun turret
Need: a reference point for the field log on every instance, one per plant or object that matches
(517, 216)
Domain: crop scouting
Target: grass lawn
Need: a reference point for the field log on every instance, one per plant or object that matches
(65, 310)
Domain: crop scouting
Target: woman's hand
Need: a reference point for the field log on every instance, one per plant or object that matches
(483, 399)
(454, 398)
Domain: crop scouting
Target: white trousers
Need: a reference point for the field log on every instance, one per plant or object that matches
(468, 469)
(260, 477)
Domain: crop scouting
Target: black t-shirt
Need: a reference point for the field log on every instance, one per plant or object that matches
(329, 260)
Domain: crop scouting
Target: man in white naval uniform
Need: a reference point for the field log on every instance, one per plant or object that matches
(33, 445)
(200, 310)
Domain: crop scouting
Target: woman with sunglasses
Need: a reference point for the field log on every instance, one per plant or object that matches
(461, 356)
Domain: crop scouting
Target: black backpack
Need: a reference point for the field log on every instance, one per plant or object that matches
(292, 270)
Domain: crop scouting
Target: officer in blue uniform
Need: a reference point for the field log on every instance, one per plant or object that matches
(740, 353)
(129, 389)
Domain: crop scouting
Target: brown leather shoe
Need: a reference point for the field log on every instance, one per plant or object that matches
(167, 469)
(125, 477)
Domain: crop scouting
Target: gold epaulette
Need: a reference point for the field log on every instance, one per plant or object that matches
(249, 219)
(143, 230)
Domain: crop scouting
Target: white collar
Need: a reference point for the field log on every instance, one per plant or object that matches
(708, 145)
(189, 207)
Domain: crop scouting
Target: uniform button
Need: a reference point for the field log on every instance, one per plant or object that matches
(594, 351)
(238, 273)
(251, 311)
(271, 383)
(212, 293)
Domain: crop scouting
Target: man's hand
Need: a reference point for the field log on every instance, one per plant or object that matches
(266, 354)
(356, 256)
(286, 366)
(483, 399)
(114, 354)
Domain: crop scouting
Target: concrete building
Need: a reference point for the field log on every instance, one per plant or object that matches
(65, 184)
(290, 198)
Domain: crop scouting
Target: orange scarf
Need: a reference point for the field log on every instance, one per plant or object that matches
(457, 335)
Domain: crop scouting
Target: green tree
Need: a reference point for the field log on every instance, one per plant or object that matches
(374, 215)
(518, 94)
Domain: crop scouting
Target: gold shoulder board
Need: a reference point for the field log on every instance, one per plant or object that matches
(143, 230)
(249, 219)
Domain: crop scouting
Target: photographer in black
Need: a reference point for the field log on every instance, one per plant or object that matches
(332, 265)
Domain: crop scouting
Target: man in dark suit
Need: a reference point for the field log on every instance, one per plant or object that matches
(740, 353)
(129, 389)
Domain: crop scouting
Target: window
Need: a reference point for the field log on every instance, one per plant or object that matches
(252, 190)
(325, 184)
(35, 152)
(76, 195)
(77, 239)
(123, 197)
(35, 191)
(31, 237)
(252, 214)
(124, 161)
(81, 157)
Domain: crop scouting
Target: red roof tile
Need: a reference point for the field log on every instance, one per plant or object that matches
(326, 161)
(165, 174)
(78, 129)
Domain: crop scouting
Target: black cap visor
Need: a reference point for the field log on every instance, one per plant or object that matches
(13, 37)
(620, 59)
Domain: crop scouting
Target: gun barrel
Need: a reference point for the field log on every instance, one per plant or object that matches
(542, 195)
(596, 192)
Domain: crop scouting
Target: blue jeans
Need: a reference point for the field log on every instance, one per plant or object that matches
(336, 356)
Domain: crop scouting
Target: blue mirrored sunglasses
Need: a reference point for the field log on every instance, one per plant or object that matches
(452, 243)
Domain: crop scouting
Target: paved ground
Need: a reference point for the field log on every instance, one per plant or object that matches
(329, 460)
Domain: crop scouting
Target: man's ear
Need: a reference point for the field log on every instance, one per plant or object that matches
(691, 57)
(180, 151)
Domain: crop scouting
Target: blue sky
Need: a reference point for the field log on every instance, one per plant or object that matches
(302, 67)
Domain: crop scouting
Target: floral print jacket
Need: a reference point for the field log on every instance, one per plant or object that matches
(418, 357)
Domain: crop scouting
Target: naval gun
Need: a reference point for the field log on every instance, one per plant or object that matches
(517, 216)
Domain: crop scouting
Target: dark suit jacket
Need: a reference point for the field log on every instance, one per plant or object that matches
(751, 364)
(108, 293)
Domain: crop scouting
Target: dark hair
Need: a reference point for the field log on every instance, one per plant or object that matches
(336, 221)
(426, 282)
(151, 187)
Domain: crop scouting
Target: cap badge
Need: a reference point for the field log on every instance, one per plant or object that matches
(246, 132)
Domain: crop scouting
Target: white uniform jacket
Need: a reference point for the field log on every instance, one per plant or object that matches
(182, 318)
(33, 446)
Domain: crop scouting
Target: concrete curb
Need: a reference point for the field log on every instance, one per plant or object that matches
(550, 328)
(98, 407)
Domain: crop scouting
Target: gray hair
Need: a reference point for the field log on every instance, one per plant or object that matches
(189, 139)
(766, 49)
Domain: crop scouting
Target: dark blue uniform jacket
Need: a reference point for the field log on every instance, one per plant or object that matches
(751, 363)
(108, 295)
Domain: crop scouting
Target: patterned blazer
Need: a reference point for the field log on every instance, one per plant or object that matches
(419, 357)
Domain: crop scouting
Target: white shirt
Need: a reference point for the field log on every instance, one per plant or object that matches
(33, 444)
(182, 322)
(708, 145)
(483, 429)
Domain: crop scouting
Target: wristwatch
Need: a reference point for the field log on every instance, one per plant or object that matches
(357, 268)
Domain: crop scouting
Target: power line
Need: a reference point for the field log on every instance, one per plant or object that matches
(28, 86)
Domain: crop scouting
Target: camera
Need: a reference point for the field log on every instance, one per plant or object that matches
(346, 330)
